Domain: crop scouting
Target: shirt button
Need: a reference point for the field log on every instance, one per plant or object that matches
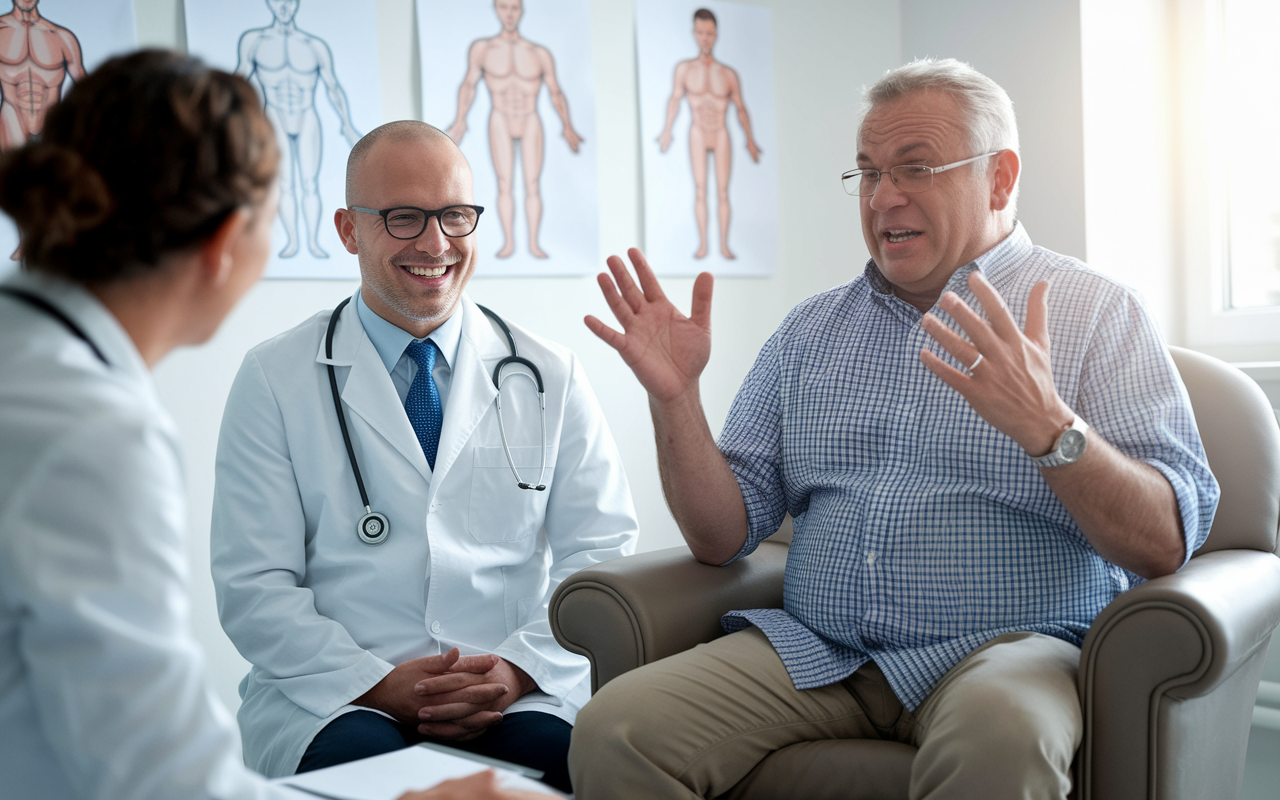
(871, 558)
(435, 627)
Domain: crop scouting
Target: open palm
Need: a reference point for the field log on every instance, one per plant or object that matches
(666, 350)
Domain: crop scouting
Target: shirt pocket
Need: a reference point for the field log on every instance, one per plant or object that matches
(500, 511)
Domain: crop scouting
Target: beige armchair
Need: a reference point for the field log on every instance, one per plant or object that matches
(1168, 672)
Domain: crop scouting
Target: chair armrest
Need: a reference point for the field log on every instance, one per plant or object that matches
(625, 613)
(1159, 647)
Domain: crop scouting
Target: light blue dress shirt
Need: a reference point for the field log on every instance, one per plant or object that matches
(391, 340)
(921, 531)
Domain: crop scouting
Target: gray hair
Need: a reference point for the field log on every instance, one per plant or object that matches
(986, 106)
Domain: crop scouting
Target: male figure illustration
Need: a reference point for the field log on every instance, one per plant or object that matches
(514, 69)
(285, 64)
(710, 87)
(36, 56)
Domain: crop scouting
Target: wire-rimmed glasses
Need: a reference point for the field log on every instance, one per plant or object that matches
(907, 177)
(408, 222)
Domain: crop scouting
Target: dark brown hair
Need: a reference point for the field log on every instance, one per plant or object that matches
(705, 13)
(145, 156)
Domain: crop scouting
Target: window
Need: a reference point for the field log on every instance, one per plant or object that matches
(1243, 105)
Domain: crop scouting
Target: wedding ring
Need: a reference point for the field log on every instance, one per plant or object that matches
(975, 364)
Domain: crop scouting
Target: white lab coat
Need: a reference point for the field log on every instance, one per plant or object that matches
(102, 693)
(471, 559)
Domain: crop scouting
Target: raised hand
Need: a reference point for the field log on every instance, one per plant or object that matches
(666, 350)
(1012, 386)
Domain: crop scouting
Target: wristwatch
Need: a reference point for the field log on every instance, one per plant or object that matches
(1067, 449)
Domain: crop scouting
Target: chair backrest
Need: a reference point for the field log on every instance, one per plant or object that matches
(1242, 440)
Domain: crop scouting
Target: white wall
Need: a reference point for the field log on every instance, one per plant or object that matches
(819, 72)
(1033, 51)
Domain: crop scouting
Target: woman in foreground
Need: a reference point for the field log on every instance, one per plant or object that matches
(145, 211)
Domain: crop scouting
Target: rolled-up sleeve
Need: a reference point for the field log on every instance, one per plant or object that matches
(1131, 393)
(752, 444)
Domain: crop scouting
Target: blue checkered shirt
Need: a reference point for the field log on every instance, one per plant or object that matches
(921, 531)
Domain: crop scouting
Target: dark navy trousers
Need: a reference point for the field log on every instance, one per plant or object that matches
(529, 738)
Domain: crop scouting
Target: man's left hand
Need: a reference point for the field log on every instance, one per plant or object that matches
(1012, 386)
(449, 709)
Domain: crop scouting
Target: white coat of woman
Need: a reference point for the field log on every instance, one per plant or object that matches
(145, 212)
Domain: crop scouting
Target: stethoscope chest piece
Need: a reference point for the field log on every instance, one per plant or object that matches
(373, 528)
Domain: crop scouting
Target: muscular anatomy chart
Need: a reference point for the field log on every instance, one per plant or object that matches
(45, 46)
(313, 63)
(36, 57)
(698, 64)
(510, 82)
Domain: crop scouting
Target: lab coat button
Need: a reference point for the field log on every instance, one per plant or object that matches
(435, 627)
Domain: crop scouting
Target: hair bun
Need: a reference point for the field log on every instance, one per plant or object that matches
(53, 195)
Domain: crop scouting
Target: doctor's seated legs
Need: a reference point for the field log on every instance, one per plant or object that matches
(528, 738)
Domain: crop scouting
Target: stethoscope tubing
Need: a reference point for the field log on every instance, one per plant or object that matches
(373, 528)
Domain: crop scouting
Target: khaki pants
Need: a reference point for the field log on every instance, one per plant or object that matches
(1003, 723)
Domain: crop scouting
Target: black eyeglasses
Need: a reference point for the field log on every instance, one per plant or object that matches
(408, 222)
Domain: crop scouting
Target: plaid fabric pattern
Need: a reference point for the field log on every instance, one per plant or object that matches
(921, 531)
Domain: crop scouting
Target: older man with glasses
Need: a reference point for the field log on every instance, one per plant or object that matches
(981, 444)
(376, 557)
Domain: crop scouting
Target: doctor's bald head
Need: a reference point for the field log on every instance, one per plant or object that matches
(410, 218)
(403, 131)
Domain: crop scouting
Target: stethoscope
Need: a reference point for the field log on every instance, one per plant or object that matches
(40, 304)
(374, 526)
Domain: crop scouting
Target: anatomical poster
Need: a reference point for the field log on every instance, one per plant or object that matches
(708, 138)
(45, 47)
(315, 65)
(510, 81)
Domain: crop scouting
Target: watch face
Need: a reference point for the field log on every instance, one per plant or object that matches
(1071, 446)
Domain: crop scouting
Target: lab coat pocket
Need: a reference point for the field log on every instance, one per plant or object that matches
(500, 510)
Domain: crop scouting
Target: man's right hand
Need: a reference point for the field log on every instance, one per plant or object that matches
(666, 350)
(457, 130)
(396, 693)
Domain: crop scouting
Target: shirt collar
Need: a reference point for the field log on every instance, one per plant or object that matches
(390, 340)
(97, 322)
(994, 263)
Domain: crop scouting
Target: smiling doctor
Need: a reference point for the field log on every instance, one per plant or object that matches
(376, 557)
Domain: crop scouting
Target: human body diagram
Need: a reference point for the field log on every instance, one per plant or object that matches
(287, 64)
(36, 58)
(710, 87)
(514, 69)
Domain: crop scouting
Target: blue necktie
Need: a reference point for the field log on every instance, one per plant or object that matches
(422, 404)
